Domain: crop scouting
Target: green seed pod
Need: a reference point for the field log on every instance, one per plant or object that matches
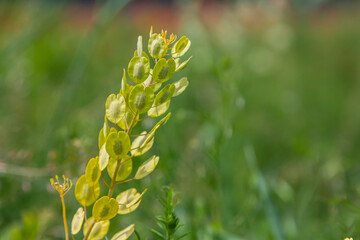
(99, 230)
(103, 158)
(139, 69)
(138, 146)
(181, 66)
(124, 234)
(85, 193)
(159, 110)
(141, 98)
(181, 47)
(180, 86)
(147, 167)
(77, 221)
(165, 94)
(126, 121)
(117, 144)
(115, 108)
(92, 172)
(164, 70)
(124, 169)
(156, 45)
(128, 201)
(105, 208)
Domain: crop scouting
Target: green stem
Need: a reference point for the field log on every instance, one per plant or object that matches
(113, 181)
(89, 229)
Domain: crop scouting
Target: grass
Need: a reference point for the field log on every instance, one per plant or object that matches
(287, 90)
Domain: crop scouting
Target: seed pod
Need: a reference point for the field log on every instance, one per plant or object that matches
(117, 144)
(105, 208)
(159, 110)
(139, 69)
(164, 70)
(124, 169)
(181, 66)
(128, 201)
(115, 108)
(147, 167)
(141, 98)
(180, 86)
(124, 234)
(77, 221)
(99, 230)
(138, 146)
(85, 193)
(92, 172)
(181, 47)
(165, 94)
(156, 45)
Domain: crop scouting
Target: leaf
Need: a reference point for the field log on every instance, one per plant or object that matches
(103, 158)
(138, 147)
(92, 172)
(117, 144)
(141, 98)
(124, 234)
(105, 208)
(115, 108)
(156, 233)
(159, 110)
(124, 169)
(165, 94)
(147, 167)
(180, 86)
(129, 200)
(77, 221)
(156, 45)
(139, 69)
(181, 66)
(164, 70)
(181, 47)
(99, 230)
(85, 193)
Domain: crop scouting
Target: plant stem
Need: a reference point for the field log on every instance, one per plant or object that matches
(89, 229)
(64, 217)
(113, 181)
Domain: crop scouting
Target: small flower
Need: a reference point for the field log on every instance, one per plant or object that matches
(61, 188)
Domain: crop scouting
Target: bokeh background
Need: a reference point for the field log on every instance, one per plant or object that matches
(264, 143)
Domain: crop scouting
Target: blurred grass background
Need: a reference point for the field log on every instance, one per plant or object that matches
(264, 144)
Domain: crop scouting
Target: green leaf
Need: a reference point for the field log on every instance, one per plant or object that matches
(181, 66)
(115, 108)
(92, 172)
(181, 47)
(180, 86)
(139, 69)
(138, 147)
(156, 45)
(85, 193)
(117, 144)
(77, 221)
(159, 110)
(147, 167)
(141, 98)
(165, 94)
(99, 230)
(105, 208)
(124, 169)
(124, 234)
(164, 70)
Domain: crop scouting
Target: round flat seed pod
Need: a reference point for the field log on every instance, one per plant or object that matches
(85, 193)
(181, 47)
(99, 230)
(156, 46)
(124, 234)
(139, 69)
(138, 145)
(115, 108)
(180, 86)
(129, 200)
(92, 172)
(124, 169)
(117, 144)
(164, 94)
(141, 98)
(181, 66)
(103, 158)
(147, 167)
(77, 221)
(159, 110)
(105, 208)
(164, 70)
